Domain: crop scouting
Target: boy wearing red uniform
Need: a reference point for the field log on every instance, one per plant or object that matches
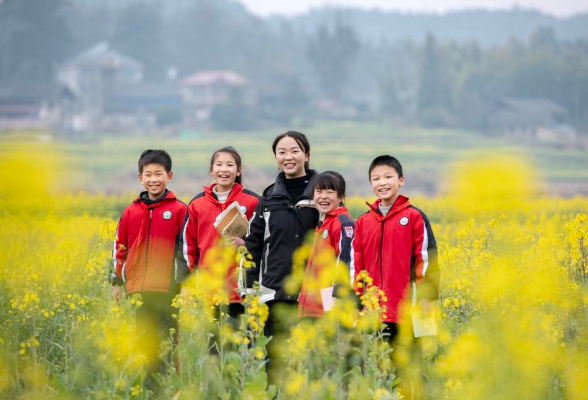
(146, 243)
(394, 243)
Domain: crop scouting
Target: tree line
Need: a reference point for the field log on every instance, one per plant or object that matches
(432, 81)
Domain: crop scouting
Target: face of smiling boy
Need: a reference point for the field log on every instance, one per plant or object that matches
(326, 200)
(291, 158)
(386, 184)
(154, 179)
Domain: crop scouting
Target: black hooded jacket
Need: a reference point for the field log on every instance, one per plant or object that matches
(277, 228)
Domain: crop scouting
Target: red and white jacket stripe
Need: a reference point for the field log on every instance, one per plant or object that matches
(334, 235)
(199, 234)
(397, 250)
(145, 246)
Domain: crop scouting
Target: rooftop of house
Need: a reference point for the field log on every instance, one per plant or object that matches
(204, 78)
(101, 55)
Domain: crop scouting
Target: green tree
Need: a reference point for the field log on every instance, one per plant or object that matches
(434, 95)
(34, 37)
(331, 53)
(199, 38)
(138, 33)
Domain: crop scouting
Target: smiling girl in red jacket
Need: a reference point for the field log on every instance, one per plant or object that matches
(200, 235)
(394, 243)
(332, 241)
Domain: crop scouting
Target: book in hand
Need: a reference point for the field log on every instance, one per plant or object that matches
(232, 222)
(327, 298)
(423, 325)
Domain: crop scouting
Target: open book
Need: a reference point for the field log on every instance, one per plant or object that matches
(232, 222)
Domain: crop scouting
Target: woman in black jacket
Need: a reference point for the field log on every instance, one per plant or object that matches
(278, 227)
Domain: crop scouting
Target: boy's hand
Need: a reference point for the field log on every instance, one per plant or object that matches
(427, 307)
(237, 241)
(116, 293)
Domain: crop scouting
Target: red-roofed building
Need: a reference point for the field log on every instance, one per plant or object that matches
(204, 90)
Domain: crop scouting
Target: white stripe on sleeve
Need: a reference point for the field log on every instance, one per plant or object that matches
(424, 252)
(185, 244)
(352, 263)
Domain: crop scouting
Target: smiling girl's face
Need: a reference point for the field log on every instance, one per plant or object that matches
(291, 157)
(224, 170)
(326, 200)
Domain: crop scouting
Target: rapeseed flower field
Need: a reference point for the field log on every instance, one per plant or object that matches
(512, 319)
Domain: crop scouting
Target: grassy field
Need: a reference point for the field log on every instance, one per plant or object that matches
(108, 163)
(512, 317)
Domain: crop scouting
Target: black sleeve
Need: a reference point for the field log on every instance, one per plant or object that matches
(345, 254)
(254, 243)
(181, 264)
(433, 274)
(347, 232)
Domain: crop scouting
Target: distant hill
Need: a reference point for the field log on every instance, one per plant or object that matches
(487, 27)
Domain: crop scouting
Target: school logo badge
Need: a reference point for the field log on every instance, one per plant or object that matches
(349, 232)
(243, 209)
(403, 221)
(167, 214)
(325, 233)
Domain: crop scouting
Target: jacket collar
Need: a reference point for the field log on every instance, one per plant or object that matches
(400, 204)
(334, 214)
(169, 195)
(278, 189)
(235, 191)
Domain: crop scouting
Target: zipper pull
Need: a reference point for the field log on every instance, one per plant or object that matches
(150, 213)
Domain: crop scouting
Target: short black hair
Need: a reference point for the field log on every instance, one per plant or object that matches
(386, 160)
(329, 180)
(155, 157)
(300, 138)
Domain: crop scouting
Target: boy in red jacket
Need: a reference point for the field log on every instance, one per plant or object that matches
(395, 244)
(146, 243)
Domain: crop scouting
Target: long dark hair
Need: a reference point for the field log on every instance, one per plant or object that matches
(230, 150)
(300, 138)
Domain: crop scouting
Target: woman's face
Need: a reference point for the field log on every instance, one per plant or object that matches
(291, 157)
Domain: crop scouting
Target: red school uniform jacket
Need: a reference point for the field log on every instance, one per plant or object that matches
(147, 239)
(397, 250)
(333, 235)
(199, 233)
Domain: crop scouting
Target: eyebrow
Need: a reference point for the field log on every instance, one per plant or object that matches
(291, 148)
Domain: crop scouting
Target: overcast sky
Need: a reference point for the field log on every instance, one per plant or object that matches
(556, 7)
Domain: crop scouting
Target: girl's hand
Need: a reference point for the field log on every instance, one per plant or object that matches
(116, 293)
(237, 241)
(185, 292)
